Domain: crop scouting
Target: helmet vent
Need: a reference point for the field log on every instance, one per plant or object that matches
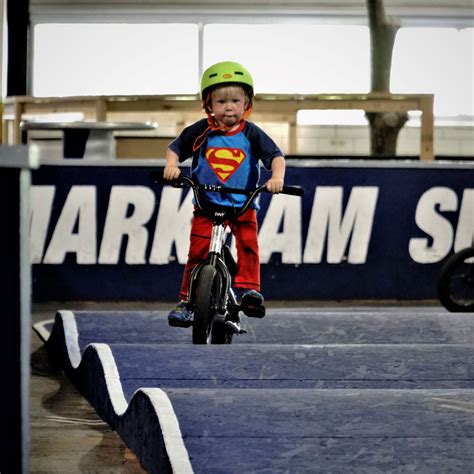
(240, 73)
(213, 75)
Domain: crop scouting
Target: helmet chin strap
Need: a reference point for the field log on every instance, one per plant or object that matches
(214, 125)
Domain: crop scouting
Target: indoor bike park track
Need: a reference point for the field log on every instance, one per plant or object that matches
(339, 389)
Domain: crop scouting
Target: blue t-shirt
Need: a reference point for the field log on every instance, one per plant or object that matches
(229, 159)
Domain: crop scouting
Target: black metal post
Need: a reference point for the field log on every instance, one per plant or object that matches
(15, 275)
(18, 20)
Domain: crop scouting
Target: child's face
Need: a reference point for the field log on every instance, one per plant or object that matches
(228, 105)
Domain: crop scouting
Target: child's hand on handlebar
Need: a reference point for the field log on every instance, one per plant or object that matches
(274, 185)
(171, 172)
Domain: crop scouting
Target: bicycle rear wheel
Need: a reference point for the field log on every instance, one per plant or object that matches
(456, 282)
(220, 333)
(206, 299)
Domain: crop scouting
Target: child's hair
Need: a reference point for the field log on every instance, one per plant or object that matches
(230, 85)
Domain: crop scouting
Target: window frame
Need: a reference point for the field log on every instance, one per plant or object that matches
(202, 16)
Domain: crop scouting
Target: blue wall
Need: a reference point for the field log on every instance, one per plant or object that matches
(362, 231)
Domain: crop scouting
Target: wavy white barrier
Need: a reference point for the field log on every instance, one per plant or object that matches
(173, 440)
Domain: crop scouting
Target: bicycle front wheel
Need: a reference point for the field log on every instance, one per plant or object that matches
(205, 305)
(456, 282)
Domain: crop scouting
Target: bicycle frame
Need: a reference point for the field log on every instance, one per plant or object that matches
(211, 297)
(216, 259)
(215, 254)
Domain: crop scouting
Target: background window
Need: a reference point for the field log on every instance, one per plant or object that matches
(438, 61)
(161, 58)
(114, 59)
(303, 59)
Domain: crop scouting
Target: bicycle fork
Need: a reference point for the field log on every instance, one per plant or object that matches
(228, 305)
(215, 260)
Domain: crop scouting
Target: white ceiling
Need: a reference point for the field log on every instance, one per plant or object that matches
(426, 7)
(457, 13)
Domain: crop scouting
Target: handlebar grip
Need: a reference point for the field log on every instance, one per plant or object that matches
(157, 177)
(293, 191)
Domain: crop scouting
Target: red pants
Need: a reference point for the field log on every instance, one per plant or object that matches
(245, 231)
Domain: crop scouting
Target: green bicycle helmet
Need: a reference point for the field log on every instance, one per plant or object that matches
(225, 72)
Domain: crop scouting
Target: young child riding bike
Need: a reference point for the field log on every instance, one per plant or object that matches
(226, 150)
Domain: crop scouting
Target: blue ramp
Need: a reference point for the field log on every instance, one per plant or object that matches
(332, 390)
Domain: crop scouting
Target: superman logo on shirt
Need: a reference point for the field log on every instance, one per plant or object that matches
(224, 161)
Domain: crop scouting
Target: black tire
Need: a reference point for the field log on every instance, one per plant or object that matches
(456, 282)
(220, 333)
(207, 293)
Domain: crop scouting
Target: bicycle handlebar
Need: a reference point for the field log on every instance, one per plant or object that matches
(183, 181)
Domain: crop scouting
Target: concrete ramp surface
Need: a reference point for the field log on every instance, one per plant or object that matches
(315, 390)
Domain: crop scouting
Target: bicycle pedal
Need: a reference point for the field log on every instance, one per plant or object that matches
(235, 327)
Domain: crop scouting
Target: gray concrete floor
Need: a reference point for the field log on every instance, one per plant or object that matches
(66, 435)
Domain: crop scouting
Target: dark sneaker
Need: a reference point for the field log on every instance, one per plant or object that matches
(252, 304)
(180, 316)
